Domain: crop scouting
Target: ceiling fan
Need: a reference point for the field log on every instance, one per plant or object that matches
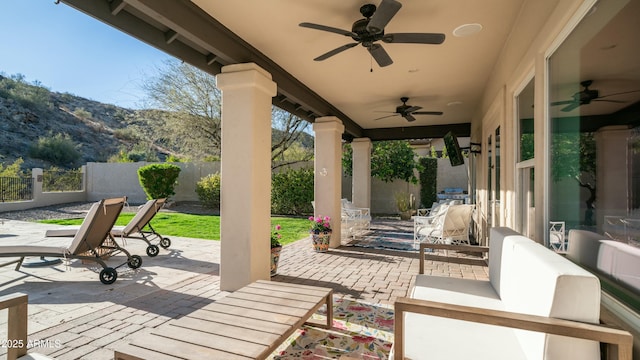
(586, 96)
(407, 111)
(370, 30)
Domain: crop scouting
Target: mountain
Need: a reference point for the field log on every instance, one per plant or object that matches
(29, 112)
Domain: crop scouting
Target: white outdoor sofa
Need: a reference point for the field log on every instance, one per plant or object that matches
(615, 259)
(530, 287)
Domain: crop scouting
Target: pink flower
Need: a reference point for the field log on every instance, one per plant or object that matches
(278, 227)
(310, 218)
(319, 221)
(327, 219)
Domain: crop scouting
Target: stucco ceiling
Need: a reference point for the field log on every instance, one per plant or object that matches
(449, 77)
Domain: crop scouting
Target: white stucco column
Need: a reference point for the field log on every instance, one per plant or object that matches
(361, 180)
(612, 172)
(328, 172)
(245, 192)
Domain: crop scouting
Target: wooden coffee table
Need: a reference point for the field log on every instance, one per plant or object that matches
(249, 323)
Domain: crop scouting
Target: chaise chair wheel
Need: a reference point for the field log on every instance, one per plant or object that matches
(153, 250)
(134, 262)
(165, 243)
(108, 276)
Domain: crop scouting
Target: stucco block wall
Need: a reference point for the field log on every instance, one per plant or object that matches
(101, 180)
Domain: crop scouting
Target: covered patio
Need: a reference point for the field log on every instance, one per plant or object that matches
(506, 70)
(74, 316)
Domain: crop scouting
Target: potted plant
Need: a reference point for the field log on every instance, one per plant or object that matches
(405, 203)
(276, 247)
(320, 231)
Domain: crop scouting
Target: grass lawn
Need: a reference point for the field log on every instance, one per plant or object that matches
(203, 226)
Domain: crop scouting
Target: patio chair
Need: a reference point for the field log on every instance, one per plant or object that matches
(557, 240)
(355, 220)
(454, 227)
(424, 225)
(91, 242)
(134, 229)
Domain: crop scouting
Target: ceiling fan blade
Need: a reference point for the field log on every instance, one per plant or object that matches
(384, 13)
(380, 55)
(410, 118)
(620, 93)
(607, 100)
(414, 38)
(335, 51)
(570, 107)
(563, 102)
(328, 28)
(384, 117)
(427, 113)
(412, 109)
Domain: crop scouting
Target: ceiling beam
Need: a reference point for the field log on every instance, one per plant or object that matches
(197, 27)
(417, 132)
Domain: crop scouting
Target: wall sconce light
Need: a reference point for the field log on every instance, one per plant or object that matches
(323, 172)
(475, 148)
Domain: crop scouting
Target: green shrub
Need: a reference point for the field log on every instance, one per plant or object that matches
(292, 192)
(58, 149)
(158, 180)
(208, 190)
(55, 179)
(140, 152)
(428, 184)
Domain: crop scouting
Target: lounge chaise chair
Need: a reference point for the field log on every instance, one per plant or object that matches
(91, 242)
(134, 229)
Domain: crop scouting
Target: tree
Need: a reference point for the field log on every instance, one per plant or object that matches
(390, 160)
(286, 147)
(193, 101)
(574, 156)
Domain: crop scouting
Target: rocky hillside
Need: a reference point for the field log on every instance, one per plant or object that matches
(29, 112)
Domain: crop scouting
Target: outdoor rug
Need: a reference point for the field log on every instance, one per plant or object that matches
(386, 240)
(360, 331)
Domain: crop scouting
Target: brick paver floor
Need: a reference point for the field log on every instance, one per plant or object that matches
(186, 278)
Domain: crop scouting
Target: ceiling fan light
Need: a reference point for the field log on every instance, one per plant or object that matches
(467, 30)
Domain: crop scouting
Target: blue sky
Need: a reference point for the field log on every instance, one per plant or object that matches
(69, 51)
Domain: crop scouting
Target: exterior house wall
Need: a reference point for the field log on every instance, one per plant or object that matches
(539, 27)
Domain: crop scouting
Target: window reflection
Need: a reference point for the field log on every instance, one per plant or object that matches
(594, 139)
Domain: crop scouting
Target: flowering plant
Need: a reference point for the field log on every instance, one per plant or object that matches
(320, 224)
(276, 236)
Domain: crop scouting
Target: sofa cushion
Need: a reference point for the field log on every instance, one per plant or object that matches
(621, 261)
(583, 247)
(541, 282)
(468, 292)
(435, 338)
(501, 239)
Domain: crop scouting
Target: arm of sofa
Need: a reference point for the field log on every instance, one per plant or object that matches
(620, 339)
(447, 247)
(17, 323)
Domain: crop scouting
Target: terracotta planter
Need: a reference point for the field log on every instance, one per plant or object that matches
(275, 256)
(321, 241)
(405, 215)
